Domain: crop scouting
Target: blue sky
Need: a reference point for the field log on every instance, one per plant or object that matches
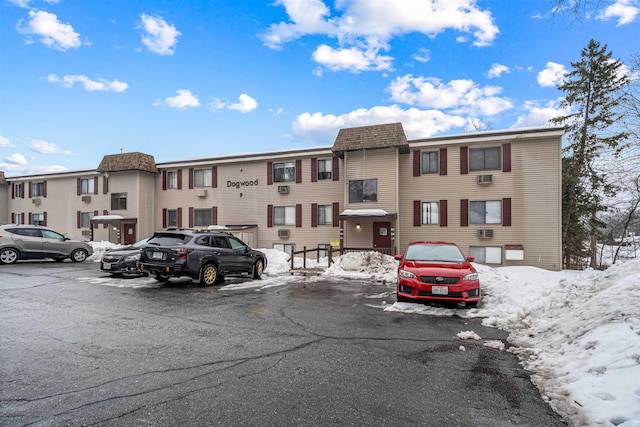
(189, 79)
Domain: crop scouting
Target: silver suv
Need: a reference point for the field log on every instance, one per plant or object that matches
(38, 242)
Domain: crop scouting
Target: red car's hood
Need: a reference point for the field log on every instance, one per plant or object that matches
(421, 268)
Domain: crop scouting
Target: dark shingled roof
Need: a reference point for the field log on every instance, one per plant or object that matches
(371, 137)
(127, 162)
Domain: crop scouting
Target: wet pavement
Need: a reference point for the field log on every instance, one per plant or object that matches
(81, 348)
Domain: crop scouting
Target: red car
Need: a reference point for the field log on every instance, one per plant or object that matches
(437, 271)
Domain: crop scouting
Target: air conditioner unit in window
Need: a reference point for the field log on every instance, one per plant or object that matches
(86, 199)
(283, 189)
(283, 233)
(201, 193)
(485, 179)
(485, 234)
(35, 201)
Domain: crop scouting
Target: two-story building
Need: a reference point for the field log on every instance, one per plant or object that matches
(497, 194)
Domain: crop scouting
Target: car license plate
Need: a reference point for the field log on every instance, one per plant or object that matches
(157, 255)
(106, 266)
(440, 290)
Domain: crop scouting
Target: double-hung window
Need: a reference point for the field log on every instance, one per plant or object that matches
(484, 159)
(37, 189)
(486, 254)
(325, 214)
(202, 178)
(284, 172)
(37, 219)
(172, 179)
(430, 212)
(85, 219)
(118, 201)
(363, 190)
(430, 162)
(87, 186)
(172, 217)
(324, 169)
(284, 215)
(485, 212)
(201, 217)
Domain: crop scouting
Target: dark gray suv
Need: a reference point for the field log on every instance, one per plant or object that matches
(206, 256)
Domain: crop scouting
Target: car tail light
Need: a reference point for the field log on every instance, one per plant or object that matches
(182, 252)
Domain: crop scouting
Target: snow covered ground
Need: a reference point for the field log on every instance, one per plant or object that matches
(578, 332)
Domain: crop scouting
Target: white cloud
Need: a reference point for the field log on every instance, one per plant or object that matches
(4, 142)
(422, 55)
(52, 32)
(497, 70)
(460, 96)
(323, 129)
(625, 11)
(159, 36)
(552, 75)
(539, 115)
(352, 59)
(44, 147)
(363, 28)
(183, 100)
(245, 104)
(90, 85)
(16, 159)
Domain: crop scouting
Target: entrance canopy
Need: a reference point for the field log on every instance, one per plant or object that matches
(373, 214)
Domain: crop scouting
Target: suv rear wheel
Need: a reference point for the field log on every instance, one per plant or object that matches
(9, 256)
(258, 269)
(209, 275)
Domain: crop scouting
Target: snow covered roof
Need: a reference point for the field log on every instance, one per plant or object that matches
(371, 213)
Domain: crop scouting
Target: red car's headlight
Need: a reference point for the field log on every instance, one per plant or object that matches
(471, 276)
(406, 273)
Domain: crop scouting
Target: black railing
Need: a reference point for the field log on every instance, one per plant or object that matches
(330, 251)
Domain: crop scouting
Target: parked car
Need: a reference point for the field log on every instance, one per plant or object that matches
(124, 260)
(207, 256)
(437, 271)
(38, 242)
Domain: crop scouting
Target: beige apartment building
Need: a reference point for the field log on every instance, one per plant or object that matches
(496, 194)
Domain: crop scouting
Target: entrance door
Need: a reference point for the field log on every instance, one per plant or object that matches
(130, 234)
(382, 235)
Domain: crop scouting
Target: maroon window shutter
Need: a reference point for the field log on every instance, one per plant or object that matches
(506, 157)
(443, 161)
(78, 219)
(190, 217)
(336, 214)
(214, 215)
(13, 191)
(105, 212)
(95, 224)
(79, 184)
(314, 214)
(95, 185)
(44, 220)
(13, 218)
(105, 185)
(464, 212)
(22, 217)
(416, 162)
(298, 171)
(44, 189)
(164, 217)
(190, 178)
(335, 168)
(164, 180)
(30, 218)
(269, 173)
(506, 212)
(179, 217)
(22, 192)
(417, 213)
(29, 184)
(214, 177)
(298, 215)
(444, 214)
(269, 215)
(179, 179)
(314, 169)
(464, 160)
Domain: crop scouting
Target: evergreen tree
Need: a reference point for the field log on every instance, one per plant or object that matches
(594, 91)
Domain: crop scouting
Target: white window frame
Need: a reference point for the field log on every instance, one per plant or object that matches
(486, 254)
(202, 178)
(325, 214)
(87, 186)
(430, 213)
(491, 212)
(325, 169)
(284, 172)
(284, 215)
(201, 217)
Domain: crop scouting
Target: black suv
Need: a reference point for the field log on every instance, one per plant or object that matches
(206, 256)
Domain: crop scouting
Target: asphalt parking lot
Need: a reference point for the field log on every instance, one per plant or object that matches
(81, 348)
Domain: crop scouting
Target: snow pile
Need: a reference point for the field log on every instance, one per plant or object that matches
(578, 332)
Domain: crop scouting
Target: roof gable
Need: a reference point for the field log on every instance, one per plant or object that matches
(371, 137)
(128, 161)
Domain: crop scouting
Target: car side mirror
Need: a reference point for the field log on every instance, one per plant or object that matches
(398, 257)
(471, 258)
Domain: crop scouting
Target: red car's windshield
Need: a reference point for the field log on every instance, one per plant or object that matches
(445, 253)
